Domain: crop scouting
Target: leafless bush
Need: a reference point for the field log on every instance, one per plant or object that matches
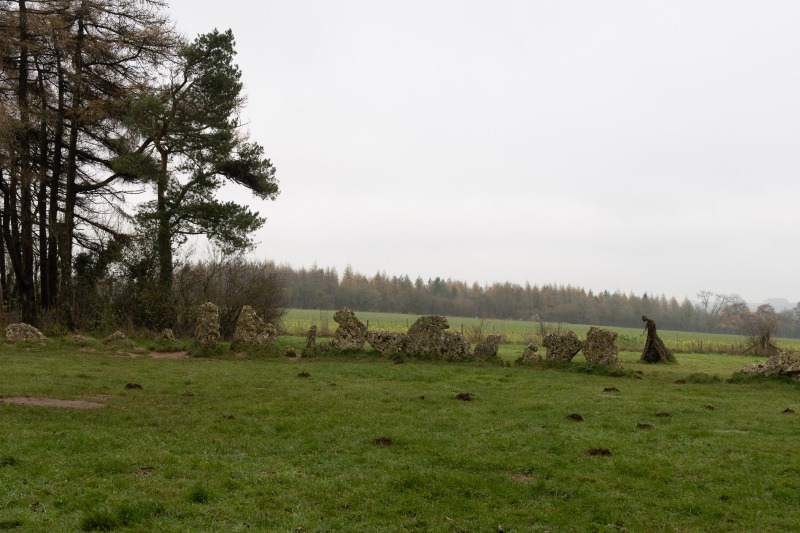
(478, 332)
(230, 282)
(546, 328)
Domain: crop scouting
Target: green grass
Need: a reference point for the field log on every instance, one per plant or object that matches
(231, 443)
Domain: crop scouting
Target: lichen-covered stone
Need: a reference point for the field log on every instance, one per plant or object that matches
(561, 348)
(455, 346)
(311, 336)
(166, 342)
(120, 339)
(488, 347)
(206, 333)
(351, 333)
(251, 329)
(427, 336)
(781, 364)
(599, 347)
(82, 340)
(23, 332)
(386, 342)
(531, 353)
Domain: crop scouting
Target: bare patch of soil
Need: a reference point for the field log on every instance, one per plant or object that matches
(788, 411)
(599, 451)
(53, 402)
(144, 471)
(680, 382)
(662, 414)
(132, 386)
(303, 375)
(611, 389)
(132, 355)
(710, 407)
(523, 477)
(169, 355)
(464, 397)
(382, 441)
(575, 416)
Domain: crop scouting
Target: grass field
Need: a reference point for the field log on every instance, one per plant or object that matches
(357, 443)
(297, 321)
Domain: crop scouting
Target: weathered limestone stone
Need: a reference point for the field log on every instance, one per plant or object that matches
(23, 332)
(600, 349)
(119, 338)
(561, 348)
(251, 329)
(351, 333)
(206, 334)
(488, 347)
(166, 342)
(455, 345)
(428, 336)
(386, 342)
(782, 364)
(311, 336)
(82, 340)
(531, 353)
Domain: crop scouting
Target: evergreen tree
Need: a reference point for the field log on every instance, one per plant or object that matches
(193, 125)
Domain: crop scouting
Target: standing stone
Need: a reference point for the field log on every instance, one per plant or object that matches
(600, 349)
(427, 336)
(351, 333)
(455, 345)
(206, 334)
(488, 347)
(531, 353)
(780, 364)
(251, 329)
(120, 339)
(23, 332)
(561, 348)
(311, 336)
(386, 342)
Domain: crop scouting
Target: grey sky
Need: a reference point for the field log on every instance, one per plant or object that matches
(620, 145)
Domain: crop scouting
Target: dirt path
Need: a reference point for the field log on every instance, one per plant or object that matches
(53, 402)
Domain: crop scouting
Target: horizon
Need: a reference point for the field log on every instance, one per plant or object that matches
(340, 274)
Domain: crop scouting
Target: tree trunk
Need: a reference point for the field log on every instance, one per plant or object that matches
(41, 199)
(25, 267)
(66, 296)
(163, 237)
(55, 228)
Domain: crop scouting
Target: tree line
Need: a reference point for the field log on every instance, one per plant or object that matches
(324, 288)
(116, 132)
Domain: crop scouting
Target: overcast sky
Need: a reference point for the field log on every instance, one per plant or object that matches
(646, 146)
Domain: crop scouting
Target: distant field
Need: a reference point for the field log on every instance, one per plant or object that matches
(247, 442)
(297, 321)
